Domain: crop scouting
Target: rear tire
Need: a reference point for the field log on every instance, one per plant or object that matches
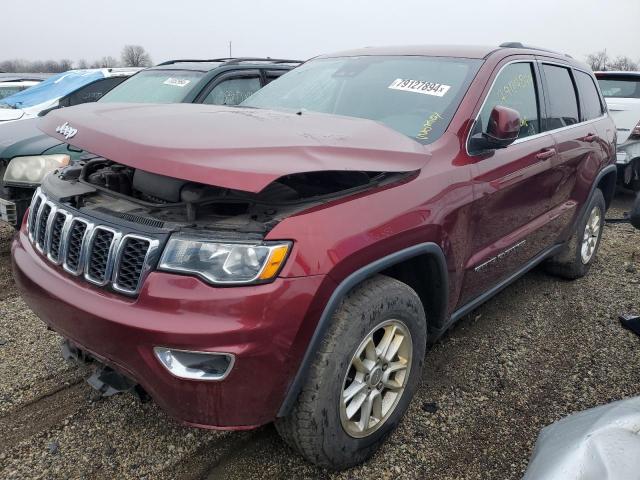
(578, 255)
(322, 425)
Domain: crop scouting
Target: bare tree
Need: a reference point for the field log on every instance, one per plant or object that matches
(135, 56)
(82, 64)
(65, 65)
(24, 66)
(623, 63)
(598, 60)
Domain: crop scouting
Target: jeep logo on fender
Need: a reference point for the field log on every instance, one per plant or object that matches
(66, 130)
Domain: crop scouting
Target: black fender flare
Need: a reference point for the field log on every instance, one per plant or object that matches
(344, 287)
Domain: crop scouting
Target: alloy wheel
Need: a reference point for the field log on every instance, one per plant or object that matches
(591, 235)
(376, 378)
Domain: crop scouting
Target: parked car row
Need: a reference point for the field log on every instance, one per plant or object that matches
(27, 155)
(62, 90)
(11, 83)
(290, 258)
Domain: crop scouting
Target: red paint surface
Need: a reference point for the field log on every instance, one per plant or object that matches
(474, 208)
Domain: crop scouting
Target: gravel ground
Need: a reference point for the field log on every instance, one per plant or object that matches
(540, 350)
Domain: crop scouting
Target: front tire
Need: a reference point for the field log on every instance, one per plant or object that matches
(363, 377)
(578, 256)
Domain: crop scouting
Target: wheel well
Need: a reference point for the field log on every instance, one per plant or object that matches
(607, 185)
(423, 274)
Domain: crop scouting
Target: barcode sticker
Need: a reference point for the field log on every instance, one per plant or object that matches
(177, 82)
(419, 86)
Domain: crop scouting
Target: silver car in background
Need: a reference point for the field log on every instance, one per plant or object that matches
(621, 91)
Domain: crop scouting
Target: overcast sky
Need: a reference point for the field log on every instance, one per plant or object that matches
(75, 29)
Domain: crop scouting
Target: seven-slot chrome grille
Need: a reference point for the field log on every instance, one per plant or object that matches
(102, 255)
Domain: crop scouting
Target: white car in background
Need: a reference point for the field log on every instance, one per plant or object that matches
(11, 83)
(62, 90)
(621, 91)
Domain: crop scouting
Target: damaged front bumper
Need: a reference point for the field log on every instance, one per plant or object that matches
(104, 380)
(261, 326)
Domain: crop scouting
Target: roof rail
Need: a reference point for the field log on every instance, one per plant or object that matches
(230, 60)
(258, 59)
(529, 47)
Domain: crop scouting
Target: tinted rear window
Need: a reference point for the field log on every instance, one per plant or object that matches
(591, 106)
(563, 103)
(620, 87)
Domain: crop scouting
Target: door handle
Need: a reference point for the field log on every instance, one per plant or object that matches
(546, 154)
(590, 137)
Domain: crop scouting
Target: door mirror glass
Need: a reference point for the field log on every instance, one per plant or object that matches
(635, 213)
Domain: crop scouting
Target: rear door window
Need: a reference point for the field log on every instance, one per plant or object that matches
(271, 75)
(589, 97)
(92, 92)
(233, 91)
(563, 102)
(514, 87)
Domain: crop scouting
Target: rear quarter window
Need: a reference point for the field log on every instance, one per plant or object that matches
(589, 97)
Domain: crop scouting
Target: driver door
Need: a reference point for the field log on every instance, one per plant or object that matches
(512, 218)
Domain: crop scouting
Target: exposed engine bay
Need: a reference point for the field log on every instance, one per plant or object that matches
(150, 199)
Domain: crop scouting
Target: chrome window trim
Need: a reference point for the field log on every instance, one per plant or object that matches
(154, 246)
(110, 256)
(531, 61)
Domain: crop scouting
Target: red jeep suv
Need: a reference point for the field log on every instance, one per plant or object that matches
(290, 259)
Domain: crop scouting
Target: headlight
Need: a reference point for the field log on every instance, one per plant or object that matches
(31, 170)
(222, 262)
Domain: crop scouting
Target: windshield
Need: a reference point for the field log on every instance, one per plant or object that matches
(155, 86)
(53, 88)
(620, 87)
(416, 96)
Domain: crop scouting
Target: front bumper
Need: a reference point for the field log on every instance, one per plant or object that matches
(14, 202)
(8, 211)
(260, 325)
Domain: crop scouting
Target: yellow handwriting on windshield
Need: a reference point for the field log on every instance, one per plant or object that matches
(427, 126)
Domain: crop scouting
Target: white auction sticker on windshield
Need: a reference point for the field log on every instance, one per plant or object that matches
(419, 86)
(177, 82)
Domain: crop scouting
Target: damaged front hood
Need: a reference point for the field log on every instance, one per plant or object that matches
(238, 148)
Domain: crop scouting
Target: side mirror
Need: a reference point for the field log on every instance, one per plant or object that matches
(634, 217)
(503, 129)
